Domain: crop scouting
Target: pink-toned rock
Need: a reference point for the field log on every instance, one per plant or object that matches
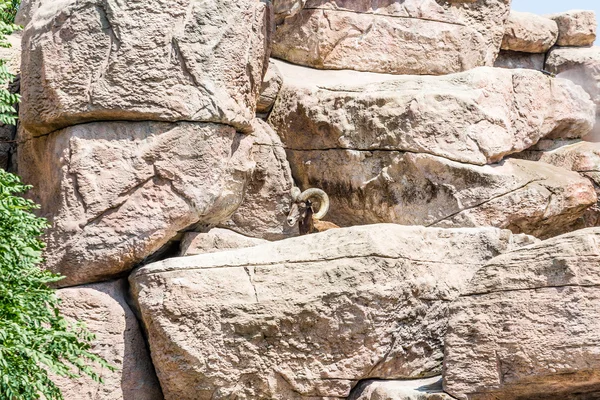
(409, 37)
(269, 89)
(98, 60)
(194, 243)
(526, 327)
(116, 192)
(576, 27)
(529, 33)
(119, 340)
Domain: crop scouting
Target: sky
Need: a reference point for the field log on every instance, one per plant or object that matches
(542, 7)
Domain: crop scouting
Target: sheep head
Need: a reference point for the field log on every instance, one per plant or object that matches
(302, 202)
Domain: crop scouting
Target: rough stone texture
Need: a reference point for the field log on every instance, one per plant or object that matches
(513, 60)
(270, 88)
(116, 192)
(118, 340)
(216, 240)
(267, 198)
(475, 117)
(408, 37)
(286, 8)
(367, 187)
(526, 328)
(576, 27)
(26, 10)
(582, 66)
(420, 389)
(307, 317)
(183, 60)
(529, 33)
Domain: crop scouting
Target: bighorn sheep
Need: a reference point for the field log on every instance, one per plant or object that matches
(301, 211)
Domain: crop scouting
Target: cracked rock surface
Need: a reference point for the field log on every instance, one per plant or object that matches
(529, 33)
(162, 60)
(116, 192)
(408, 37)
(308, 317)
(527, 325)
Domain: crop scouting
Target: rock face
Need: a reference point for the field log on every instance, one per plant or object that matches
(576, 27)
(526, 326)
(393, 37)
(513, 59)
(419, 389)
(116, 192)
(118, 340)
(194, 243)
(98, 60)
(308, 317)
(529, 33)
(269, 89)
(582, 66)
(420, 189)
(286, 8)
(267, 198)
(451, 116)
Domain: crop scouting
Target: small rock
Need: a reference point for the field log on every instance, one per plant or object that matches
(576, 27)
(269, 89)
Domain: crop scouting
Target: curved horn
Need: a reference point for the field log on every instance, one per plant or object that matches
(295, 192)
(323, 199)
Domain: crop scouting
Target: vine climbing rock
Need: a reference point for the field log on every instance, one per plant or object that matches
(408, 37)
(526, 327)
(309, 316)
(98, 60)
(117, 192)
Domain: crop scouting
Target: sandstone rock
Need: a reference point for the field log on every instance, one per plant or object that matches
(26, 10)
(513, 59)
(214, 241)
(270, 88)
(98, 60)
(116, 192)
(119, 340)
(267, 198)
(582, 66)
(393, 37)
(576, 27)
(420, 389)
(529, 33)
(475, 117)
(308, 317)
(526, 328)
(286, 8)
(367, 187)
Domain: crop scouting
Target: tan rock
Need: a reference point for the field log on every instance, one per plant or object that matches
(116, 192)
(418, 389)
(581, 66)
(98, 60)
(393, 37)
(367, 187)
(576, 27)
(475, 117)
(527, 326)
(529, 33)
(26, 10)
(102, 307)
(513, 59)
(267, 199)
(308, 317)
(270, 89)
(286, 8)
(216, 240)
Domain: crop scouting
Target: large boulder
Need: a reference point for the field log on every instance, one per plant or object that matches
(474, 117)
(116, 192)
(527, 326)
(529, 33)
(367, 187)
(408, 37)
(98, 60)
(119, 340)
(576, 27)
(418, 389)
(582, 66)
(307, 317)
(514, 59)
(267, 198)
